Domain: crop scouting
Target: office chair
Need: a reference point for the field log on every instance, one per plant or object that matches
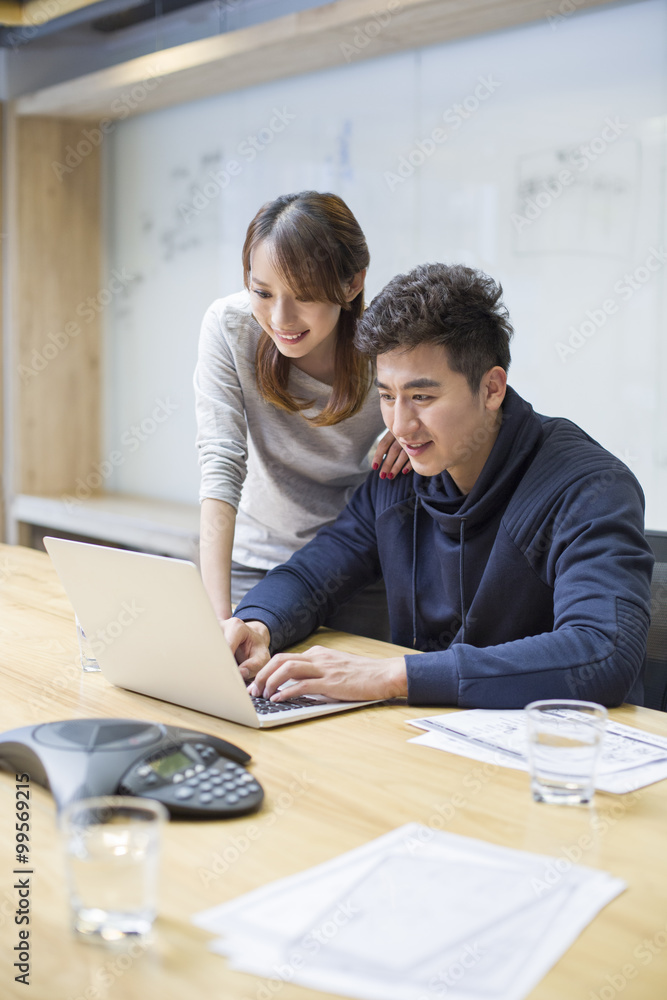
(655, 678)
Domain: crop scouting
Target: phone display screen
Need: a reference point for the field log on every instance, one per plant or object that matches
(166, 766)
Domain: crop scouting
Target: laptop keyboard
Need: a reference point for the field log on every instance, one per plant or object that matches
(263, 706)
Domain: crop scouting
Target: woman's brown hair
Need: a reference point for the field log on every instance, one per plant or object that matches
(317, 247)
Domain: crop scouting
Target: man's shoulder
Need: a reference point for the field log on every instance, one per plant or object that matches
(383, 494)
(570, 471)
(388, 494)
(567, 453)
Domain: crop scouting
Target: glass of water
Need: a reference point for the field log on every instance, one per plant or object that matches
(112, 853)
(88, 657)
(564, 744)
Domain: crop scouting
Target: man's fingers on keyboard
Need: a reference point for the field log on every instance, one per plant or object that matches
(291, 669)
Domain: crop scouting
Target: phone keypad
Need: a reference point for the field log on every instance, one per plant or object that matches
(208, 785)
(227, 782)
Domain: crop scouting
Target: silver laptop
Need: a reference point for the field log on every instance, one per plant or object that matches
(154, 631)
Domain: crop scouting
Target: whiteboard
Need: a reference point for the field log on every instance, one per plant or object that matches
(537, 154)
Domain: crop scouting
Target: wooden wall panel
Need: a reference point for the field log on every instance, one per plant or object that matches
(3, 480)
(57, 268)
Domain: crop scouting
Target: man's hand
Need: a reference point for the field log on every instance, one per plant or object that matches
(249, 642)
(327, 671)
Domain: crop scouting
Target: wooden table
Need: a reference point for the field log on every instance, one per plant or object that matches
(331, 784)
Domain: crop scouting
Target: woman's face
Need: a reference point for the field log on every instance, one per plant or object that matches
(296, 327)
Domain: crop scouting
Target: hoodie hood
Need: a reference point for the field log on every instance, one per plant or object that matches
(470, 522)
(519, 438)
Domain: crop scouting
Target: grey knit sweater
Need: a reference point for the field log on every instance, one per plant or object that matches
(285, 477)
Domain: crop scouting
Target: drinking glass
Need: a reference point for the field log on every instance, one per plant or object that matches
(88, 659)
(564, 744)
(112, 848)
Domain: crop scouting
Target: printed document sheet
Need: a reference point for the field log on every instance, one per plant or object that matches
(417, 913)
(630, 758)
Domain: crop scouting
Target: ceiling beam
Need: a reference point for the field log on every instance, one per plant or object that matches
(38, 12)
(341, 32)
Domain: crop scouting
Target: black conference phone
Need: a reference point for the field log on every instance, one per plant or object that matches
(196, 776)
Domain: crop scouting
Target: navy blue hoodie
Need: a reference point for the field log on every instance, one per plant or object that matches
(536, 584)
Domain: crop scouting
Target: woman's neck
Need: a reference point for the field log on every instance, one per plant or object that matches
(320, 363)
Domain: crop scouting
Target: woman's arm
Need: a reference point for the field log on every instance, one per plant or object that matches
(215, 553)
(222, 447)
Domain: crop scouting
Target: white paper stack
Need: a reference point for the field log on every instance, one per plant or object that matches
(415, 915)
(630, 758)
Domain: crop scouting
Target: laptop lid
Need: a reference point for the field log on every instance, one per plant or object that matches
(152, 627)
(154, 631)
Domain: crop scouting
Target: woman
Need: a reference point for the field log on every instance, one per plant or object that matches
(278, 380)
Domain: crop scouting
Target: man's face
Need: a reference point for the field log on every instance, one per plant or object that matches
(433, 414)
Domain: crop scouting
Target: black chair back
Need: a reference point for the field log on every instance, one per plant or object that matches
(655, 677)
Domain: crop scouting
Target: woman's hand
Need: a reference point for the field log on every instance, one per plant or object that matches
(390, 458)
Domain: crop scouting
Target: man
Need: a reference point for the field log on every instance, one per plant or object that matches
(513, 556)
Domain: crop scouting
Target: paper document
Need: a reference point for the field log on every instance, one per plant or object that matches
(416, 913)
(630, 758)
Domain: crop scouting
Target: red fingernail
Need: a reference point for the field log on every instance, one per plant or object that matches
(375, 466)
(405, 472)
(391, 475)
(383, 475)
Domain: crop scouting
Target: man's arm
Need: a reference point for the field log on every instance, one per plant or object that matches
(317, 671)
(599, 567)
(296, 598)
(249, 642)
